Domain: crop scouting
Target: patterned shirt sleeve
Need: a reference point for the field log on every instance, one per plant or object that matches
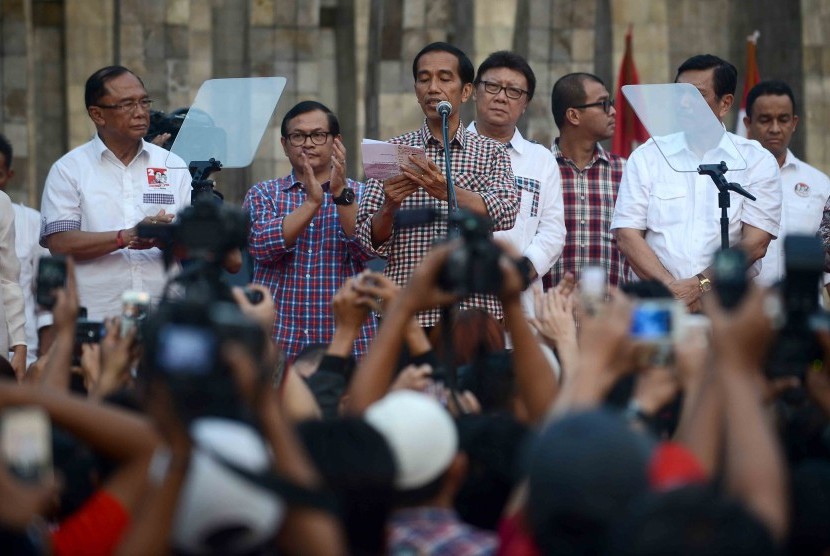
(500, 196)
(266, 242)
(370, 203)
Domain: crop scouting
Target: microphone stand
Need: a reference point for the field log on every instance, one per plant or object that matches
(716, 171)
(453, 230)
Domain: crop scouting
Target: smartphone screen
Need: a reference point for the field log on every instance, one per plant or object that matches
(27, 443)
(185, 350)
(653, 321)
(134, 306)
(51, 274)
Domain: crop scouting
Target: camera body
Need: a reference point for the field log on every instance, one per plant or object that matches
(474, 267)
(161, 123)
(207, 230)
(182, 347)
(797, 346)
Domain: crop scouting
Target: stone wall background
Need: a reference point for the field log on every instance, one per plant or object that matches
(356, 55)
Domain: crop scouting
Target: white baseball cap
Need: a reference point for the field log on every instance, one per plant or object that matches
(420, 432)
(219, 511)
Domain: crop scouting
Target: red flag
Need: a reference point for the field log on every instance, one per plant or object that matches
(752, 78)
(629, 132)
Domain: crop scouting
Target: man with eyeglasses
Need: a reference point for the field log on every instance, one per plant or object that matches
(584, 113)
(667, 223)
(96, 195)
(481, 173)
(504, 86)
(302, 235)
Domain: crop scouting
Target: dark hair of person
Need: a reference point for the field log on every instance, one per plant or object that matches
(465, 67)
(96, 85)
(6, 150)
(725, 75)
(569, 91)
(494, 445)
(689, 521)
(510, 60)
(305, 107)
(810, 492)
(475, 333)
(769, 87)
(358, 466)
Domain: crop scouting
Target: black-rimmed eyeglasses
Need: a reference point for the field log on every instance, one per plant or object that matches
(297, 139)
(513, 93)
(606, 104)
(128, 105)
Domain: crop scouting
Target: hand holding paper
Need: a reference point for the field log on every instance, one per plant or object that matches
(383, 160)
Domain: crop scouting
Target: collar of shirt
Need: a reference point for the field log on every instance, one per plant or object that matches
(459, 138)
(517, 142)
(101, 148)
(790, 160)
(599, 154)
(424, 513)
(292, 181)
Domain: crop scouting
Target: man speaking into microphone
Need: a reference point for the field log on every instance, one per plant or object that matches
(481, 175)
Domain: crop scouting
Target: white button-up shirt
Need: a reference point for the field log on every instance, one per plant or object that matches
(12, 317)
(805, 191)
(679, 210)
(539, 231)
(90, 190)
(29, 252)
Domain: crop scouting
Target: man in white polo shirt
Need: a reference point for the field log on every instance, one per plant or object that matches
(771, 119)
(504, 86)
(97, 193)
(667, 223)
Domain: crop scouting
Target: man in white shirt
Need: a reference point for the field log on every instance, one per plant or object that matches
(29, 251)
(667, 223)
(771, 119)
(504, 86)
(96, 195)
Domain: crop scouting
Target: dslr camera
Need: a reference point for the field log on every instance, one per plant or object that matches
(474, 267)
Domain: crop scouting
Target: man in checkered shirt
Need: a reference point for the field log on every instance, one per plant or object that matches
(481, 173)
(302, 231)
(584, 113)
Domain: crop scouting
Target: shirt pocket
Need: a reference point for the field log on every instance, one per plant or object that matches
(667, 205)
(158, 199)
(802, 215)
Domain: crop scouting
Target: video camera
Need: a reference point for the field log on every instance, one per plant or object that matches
(182, 346)
(161, 123)
(474, 267)
(204, 234)
(796, 346)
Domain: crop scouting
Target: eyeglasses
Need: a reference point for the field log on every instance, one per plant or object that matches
(494, 89)
(129, 105)
(606, 105)
(297, 139)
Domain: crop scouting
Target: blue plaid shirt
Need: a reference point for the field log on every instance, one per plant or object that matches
(304, 277)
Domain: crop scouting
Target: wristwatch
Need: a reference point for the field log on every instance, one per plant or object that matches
(704, 283)
(345, 198)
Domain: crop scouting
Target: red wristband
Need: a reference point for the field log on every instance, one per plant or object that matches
(119, 239)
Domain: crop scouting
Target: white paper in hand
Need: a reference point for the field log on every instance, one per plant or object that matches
(383, 160)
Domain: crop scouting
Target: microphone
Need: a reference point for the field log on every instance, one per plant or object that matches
(444, 108)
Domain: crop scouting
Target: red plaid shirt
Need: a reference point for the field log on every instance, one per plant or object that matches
(478, 164)
(590, 195)
(304, 277)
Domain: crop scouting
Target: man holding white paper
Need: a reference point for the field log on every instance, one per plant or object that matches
(482, 176)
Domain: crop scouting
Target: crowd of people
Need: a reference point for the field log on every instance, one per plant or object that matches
(449, 386)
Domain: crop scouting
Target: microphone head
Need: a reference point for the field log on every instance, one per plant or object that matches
(444, 108)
